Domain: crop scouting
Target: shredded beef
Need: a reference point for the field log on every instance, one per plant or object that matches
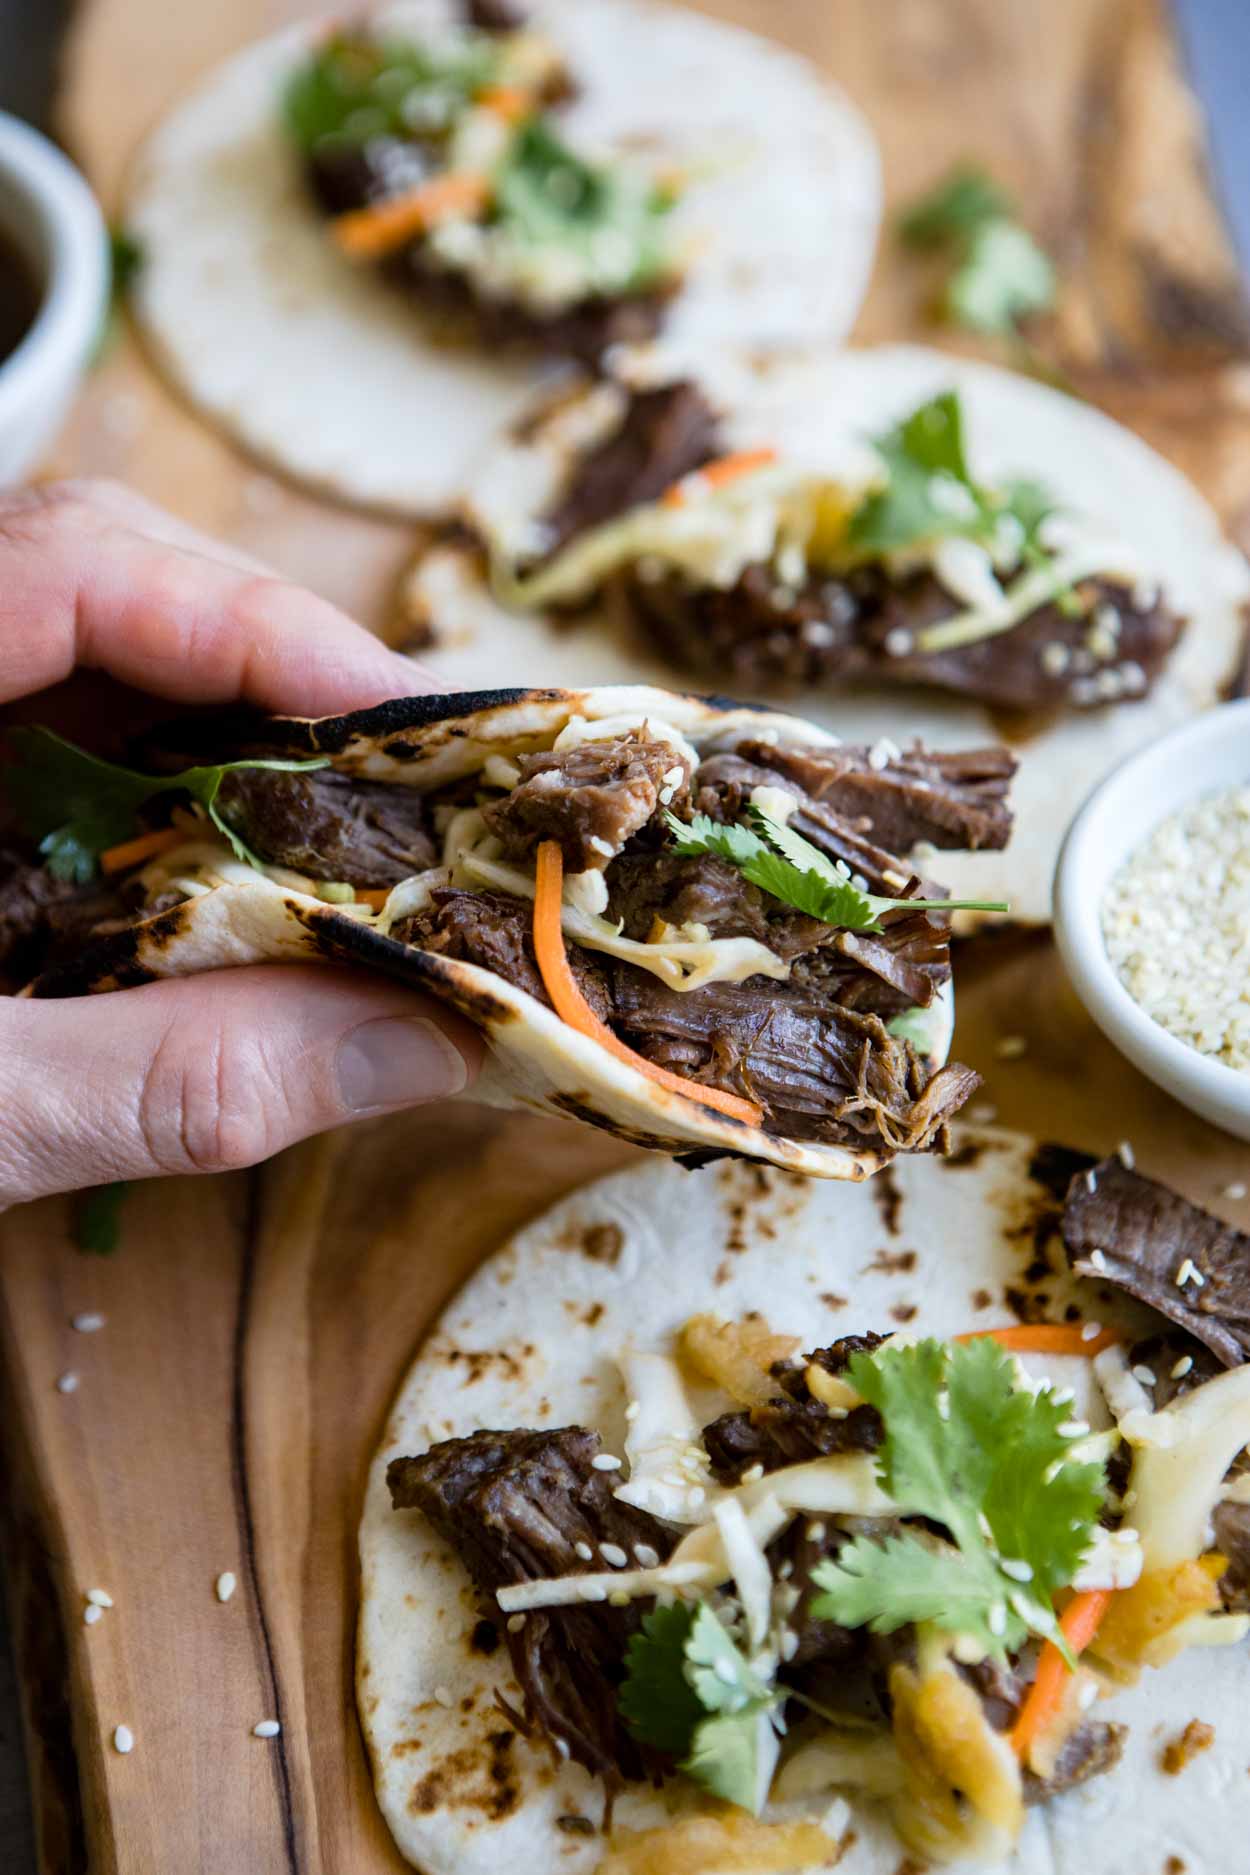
(1146, 1234)
(794, 1426)
(665, 433)
(591, 798)
(514, 1506)
(822, 1071)
(45, 920)
(861, 628)
(332, 826)
(1231, 1527)
(496, 933)
(1094, 1747)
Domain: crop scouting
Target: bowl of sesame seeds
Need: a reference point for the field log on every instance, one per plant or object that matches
(1152, 912)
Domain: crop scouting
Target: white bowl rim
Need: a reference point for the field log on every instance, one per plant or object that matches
(1078, 915)
(74, 301)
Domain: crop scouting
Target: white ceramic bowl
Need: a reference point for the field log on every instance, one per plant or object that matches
(1204, 756)
(50, 214)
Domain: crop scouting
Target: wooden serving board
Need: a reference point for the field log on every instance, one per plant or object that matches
(257, 1325)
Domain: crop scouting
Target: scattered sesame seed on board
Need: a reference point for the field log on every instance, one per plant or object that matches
(1236, 1191)
(225, 1585)
(266, 1728)
(442, 1697)
(91, 1614)
(100, 1598)
(1011, 1047)
(67, 1383)
(87, 1323)
(123, 1739)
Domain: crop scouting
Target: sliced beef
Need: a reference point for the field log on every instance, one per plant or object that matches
(1147, 1236)
(1161, 1354)
(496, 933)
(45, 920)
(516, 1507)
(591, 798)
(1094, 1747)
(821, 1071)
(1231, 1526)
(794, 1426)
(665, 433)
(862, 628)
(331, 826)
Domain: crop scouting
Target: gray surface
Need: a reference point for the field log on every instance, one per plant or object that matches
(1217, 38)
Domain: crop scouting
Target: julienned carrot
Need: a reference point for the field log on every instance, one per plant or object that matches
(1079, 1623)
(717, 474)
(145, 846)
(1045, 1338)
(571, 1006)
(511, 102)
(374, 898)
(367, 233)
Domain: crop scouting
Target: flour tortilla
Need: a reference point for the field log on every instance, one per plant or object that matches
(817, 410)
(730, 1239)
(535, 1061)
(322, 369)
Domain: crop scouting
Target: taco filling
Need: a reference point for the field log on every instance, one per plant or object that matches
(901, 568)
(903, 1568)
(734, 922)
(441, 163)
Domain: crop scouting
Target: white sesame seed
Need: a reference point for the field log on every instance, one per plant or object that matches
(789, 1644)
(613, 1555)
(225, 1585)
(1126, 1155)
(1016, 1568)
(562, 1746)
(123, 1739)
(997, 1622)
(584, 1551)
(91, 1614)
(1011, 1047)
(632, 1411)
(1091, 1181)
(604, 1461)
(752, 1474)
(1090, 1331)
(99, 1598)
(1185, 1272)
(269, 1728)
(673, 777)
(1097, 1261)
(646, 1557)
(1054, 658)
(1087, 1695)
(1182, 1366)
(1073, 1429)
(1143, 1373)
(599, 845)
(1064, 1397)
(723, 1669)
(442, 1697)
(515, 1623)
(816, 1532)
(67, 1383)
(1235, 1191)
(898, 642)
(87, 1324)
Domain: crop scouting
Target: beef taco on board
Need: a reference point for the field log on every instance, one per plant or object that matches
(691, 923)
(361, 245)
(729, 1544)
(844, 528)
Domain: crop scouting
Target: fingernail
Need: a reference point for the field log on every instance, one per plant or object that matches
(398, 1061)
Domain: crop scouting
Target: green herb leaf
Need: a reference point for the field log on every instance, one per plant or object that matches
(1003, 278)
(656, 1699)
(967, 1448)
(801, 876)
(957, 207)
(97, 1218)
(356, 87)
(725, 1757)
(717, 1669)
(612, 217)
(77, 806)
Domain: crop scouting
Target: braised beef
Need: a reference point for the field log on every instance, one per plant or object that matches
(1230, 1524)
(45, 920)
(666, 432)
(1161, 1355)
(1094, 1747)
(794, 1425)
(591, 798)
(497, 933)
(861, 628)
(822, 1071)
(515, 1506)
(495, 16)
(1148, 1237)
(332, 826)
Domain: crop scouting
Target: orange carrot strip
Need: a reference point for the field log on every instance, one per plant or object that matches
(511, 102)
(367, 233)
(374, 898)
(144, 846)
(1079, 1622)
(1044, 1338)
(716, 474)
(571, 1006)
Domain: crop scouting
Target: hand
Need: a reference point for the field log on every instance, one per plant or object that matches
(217, 1071)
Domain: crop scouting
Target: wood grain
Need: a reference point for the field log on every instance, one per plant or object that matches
(257, 1325)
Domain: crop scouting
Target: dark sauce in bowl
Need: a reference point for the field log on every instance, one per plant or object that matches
(19, 296)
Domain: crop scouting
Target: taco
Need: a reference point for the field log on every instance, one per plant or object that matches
(702, 1536)
(687, 922)
(361, 247)
(840, 528)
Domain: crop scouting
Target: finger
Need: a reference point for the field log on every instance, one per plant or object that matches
(211, 1073)
(80, 585)
(134, 511)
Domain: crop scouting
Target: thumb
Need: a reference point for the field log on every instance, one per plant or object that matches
(211, 1073)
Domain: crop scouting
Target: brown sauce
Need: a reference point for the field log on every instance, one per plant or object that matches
(19, 296)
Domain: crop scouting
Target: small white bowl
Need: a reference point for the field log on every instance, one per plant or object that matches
(50, 214)
(1204, 756)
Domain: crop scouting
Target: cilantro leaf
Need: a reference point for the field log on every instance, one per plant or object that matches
(355, 87)
(733, 1756)
(928, 492)
(985, 1459)
(656, 1699)
(78, 806)
(1003, 278)
(959, 205)
(97, 1218)
(614, 219)
(800, 876)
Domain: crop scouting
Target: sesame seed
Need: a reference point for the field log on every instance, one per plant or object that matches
(789, 1644)
(599, 845)
(1073, 1429)
(1143, 1373)
(1091, 1331)
(646, 1557)
(562, 1746)
(723, 1669)
(269, 1728)
(99, 1598)
(632, 1411)
(1016, 1568)
(1185, 1273)
(1235, 1191)
(89, 1324)
(1011, 1047)
(997, 1622)
(1054, 658)
(91, 1614)
(752, 1474)
(673, 777)
(1091, 1181)
(1064, 1397)
(1087, 1695)
(1097, 1261)
(123, 1739)
(605, 1461)
(613, 1555)
(442, 1697)
(1182, 1366)
(584, 1551)
(225, 1585)
(515, 1623)
(898, 642)
(67, 1383)
(1126, 1155)
(816, 1532)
